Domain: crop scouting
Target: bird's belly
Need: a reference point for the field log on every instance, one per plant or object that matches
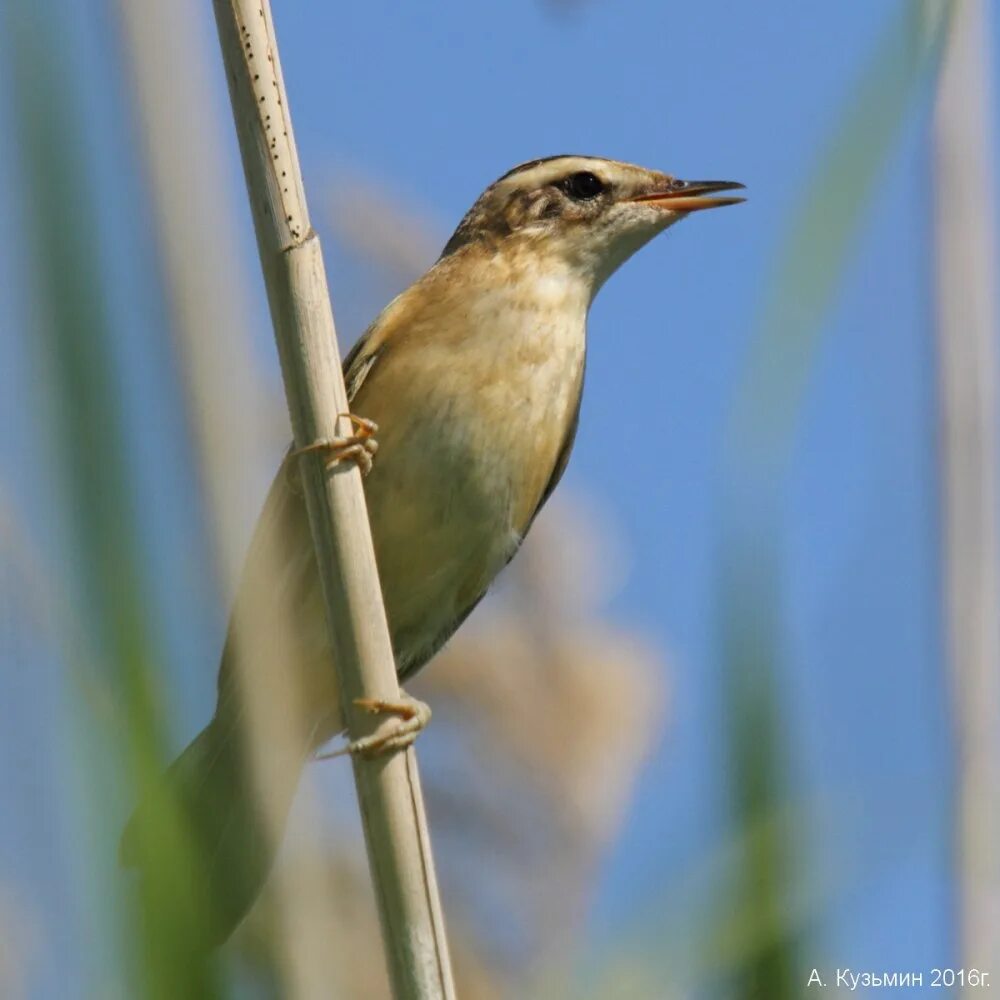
(444, 525)
(452, 492)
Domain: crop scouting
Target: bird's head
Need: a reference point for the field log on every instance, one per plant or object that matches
(581, 212)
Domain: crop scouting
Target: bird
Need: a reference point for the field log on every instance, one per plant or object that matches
(473, 377)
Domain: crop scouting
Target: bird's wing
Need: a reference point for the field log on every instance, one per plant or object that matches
(277, 583)
(361, 359)
(373, 343)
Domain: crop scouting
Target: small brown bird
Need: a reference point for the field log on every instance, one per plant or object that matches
(473, 376)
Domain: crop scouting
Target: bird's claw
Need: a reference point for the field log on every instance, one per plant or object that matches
(359, 447)
(412, 715)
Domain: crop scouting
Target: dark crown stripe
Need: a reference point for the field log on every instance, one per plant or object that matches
(531, 164)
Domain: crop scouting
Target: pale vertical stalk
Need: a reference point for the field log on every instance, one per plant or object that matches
(168, 63)
(388, 788)
(967, 331)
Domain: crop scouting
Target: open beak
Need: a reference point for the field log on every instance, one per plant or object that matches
(689, 196)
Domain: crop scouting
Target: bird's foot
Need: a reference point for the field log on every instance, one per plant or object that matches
(412, 717)
(359, 447)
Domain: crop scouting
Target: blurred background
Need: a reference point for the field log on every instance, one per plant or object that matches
(733, 715)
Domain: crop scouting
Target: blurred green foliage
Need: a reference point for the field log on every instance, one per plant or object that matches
(115, 648)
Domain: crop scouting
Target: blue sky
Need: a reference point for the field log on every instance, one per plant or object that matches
(434, 103)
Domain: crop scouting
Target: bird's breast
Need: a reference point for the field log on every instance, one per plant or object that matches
(470, 430)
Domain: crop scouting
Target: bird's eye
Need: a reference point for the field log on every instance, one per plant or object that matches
(583, 186)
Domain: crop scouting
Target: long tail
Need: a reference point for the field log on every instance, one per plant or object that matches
(211, 785)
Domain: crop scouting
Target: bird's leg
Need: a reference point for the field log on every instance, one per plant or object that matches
(359, 447)
(413, 716)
